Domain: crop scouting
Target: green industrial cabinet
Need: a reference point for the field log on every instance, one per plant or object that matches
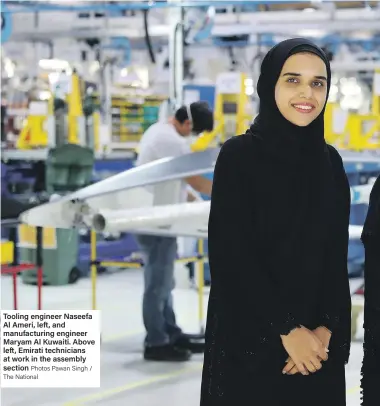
(68, 168)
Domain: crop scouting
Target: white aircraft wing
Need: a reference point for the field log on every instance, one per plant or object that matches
(355, 232)
(142, 200)
(156, 183)
(185, 219)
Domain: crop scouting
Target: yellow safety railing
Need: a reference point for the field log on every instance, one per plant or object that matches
(199, 260)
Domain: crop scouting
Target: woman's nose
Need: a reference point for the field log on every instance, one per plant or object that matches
(307, 92)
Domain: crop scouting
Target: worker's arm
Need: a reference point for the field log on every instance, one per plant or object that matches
(193, 195)
(177, 147)
(190, 197)
(200, 184)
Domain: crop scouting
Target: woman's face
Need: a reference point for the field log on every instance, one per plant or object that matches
(301, 89)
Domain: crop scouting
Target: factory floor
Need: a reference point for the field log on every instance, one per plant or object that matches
(126, 379)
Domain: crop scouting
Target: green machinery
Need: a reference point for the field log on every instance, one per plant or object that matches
(68, 168)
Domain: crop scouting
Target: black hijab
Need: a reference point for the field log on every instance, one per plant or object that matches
(298, 148)
(280, 137)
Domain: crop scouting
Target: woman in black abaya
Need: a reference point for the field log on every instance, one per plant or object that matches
(371, 361)
(278, 240)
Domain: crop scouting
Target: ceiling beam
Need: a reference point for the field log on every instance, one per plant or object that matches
(218, 30)
(354, 66)
(84, 6)
(305, 16)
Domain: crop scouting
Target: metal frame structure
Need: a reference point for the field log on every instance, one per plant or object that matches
(324, 17)
(20, 6)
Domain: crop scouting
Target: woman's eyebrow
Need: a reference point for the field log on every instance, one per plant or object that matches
(291, 74)
(298, 74)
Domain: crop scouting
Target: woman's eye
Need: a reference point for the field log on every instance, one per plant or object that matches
(318, 84)
(292, 80)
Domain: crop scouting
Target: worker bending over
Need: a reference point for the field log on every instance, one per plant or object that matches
(165, 340)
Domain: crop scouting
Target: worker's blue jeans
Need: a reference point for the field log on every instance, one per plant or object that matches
(159, 255)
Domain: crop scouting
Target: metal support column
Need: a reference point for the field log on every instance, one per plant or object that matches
(175, 17)
(105, 125)
(105, 97)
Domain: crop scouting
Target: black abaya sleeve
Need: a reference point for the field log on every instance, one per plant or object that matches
(371, 346)
(335, 307)
(245, 290)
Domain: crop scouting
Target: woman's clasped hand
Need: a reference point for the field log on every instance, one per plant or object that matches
(307, 350)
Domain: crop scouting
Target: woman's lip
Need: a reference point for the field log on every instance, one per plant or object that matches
(304, 107)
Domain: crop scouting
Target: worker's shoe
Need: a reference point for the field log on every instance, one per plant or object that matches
(192, 342)
(169, 353)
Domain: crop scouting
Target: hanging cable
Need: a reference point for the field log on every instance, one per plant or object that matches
(147, 37)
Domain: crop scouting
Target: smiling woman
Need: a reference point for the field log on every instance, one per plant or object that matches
(279, 314)
(301, 89)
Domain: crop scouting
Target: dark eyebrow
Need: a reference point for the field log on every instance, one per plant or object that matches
(291, 74)
(298, 74)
